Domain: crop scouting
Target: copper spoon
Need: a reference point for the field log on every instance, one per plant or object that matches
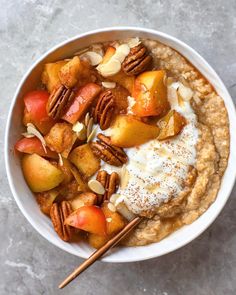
(100, 252)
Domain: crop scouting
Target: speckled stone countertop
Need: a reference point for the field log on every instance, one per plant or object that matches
(28, 263)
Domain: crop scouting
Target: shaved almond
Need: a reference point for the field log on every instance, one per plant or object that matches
(94, 57)
(96, 186)
(111, 207)
(32, 130)
(109, 84)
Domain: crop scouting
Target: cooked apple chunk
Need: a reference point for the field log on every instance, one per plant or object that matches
(83, 199)
(171, 125)
(46, 199)
(82, 185)
(114, 222)
(61, 138)
(150, 94)
(124, 80)
(97, 241)
(127, 131)
(83, 158)
(40, 174)
(50, 74)
(69, 73)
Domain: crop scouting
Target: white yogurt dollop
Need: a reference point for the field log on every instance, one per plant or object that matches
(157, 169)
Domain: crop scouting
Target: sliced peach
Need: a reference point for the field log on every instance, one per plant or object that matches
(82, 101)
(83, 199)
(127, 131)
(50, 74)
(171, 125)
(150, 94)
(46, 199)
(88, 218)
(83, 158)
(40, 174)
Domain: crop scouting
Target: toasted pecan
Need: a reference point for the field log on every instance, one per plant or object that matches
(110, 182)
(110, 154)
(58, 213)
(104, 109)
(58, 101)
(137, 60)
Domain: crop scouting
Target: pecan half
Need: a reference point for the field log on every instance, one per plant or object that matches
(104, 150)
(137, 60)
(104, 109)
(58, 214)
(109, 182)
(58, 101)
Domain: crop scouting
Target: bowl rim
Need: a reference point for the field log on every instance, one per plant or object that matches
(7, 148)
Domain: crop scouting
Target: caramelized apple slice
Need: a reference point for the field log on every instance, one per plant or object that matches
(83, 158)
(82, 101)
(34, 146)
(115, 223)
(40, 174)
(127, 131)
(150, 94)
(88, 218)
(171, 125)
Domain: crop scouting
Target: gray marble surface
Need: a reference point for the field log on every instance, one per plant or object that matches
(28, 263)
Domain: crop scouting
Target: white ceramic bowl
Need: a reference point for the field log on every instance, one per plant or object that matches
(23, 195)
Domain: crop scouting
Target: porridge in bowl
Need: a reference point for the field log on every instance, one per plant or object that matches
(122, 129)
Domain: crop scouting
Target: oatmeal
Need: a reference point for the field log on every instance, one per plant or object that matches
(121, 129)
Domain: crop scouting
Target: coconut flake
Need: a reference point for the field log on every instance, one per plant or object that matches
(31, 129)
